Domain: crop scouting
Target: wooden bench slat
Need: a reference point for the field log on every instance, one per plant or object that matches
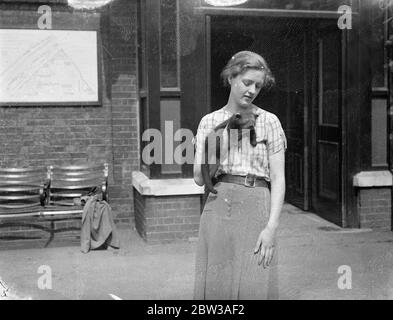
(19, 188)
(21, 170)
(37, 176)
(21, 182)
(20, 214)
(57, 179)
(72, 187)
(62, 203)
(20, 206)
(79, 167)
(56, 174)
(66, 195)
(61, 212)
(21, 197)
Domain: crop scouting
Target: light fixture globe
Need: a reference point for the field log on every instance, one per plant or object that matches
(225, 3)
(87, 4)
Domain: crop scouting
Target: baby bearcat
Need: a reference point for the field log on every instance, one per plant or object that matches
(238, 121)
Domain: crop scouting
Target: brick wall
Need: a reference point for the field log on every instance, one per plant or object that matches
(167, 218)
(374, 207)
(65, 135)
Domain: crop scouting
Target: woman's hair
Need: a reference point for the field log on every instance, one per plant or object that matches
(245, 60)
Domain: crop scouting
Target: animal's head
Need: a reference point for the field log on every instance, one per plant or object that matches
(243, 120)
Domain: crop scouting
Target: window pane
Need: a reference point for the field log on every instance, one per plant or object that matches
(379, 132)
(169, 45)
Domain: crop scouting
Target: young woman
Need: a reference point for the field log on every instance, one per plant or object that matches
(236, 256)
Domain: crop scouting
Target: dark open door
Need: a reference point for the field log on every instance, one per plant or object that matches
(327, 119)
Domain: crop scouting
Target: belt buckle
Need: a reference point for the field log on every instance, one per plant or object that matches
(250, 178)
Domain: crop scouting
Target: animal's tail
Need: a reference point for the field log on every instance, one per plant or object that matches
(206, 178)
(205, 168)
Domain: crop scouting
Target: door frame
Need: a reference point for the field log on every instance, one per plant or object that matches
(309, 133)
(315, 93)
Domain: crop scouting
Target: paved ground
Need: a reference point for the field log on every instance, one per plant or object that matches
(311, 253)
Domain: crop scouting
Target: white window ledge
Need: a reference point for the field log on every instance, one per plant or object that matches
(373, 179)
(164, 187)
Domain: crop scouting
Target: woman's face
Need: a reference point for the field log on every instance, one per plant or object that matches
(246, 86)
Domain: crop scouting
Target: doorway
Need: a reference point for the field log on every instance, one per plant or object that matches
(305, 58)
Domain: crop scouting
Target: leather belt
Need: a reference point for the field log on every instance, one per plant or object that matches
(250, 180)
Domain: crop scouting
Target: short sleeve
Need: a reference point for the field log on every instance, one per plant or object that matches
(276, 139)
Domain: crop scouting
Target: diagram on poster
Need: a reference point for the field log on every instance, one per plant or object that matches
(48, 66)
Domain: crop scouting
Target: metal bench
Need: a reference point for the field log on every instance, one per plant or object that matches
(22, 191)
(52, 194)
(68, 184)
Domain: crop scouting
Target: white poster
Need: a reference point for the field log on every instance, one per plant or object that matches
(48, 66)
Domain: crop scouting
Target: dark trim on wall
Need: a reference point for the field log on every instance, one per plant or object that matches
(390, 95)
(269, 12)
(153, 70)
(344, 131)
(358, 103)
(193, 70)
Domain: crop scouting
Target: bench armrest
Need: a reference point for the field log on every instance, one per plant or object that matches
(104, 189)
(105, 183)
(44, 193)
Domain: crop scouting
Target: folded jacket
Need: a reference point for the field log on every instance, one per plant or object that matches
(98, 227)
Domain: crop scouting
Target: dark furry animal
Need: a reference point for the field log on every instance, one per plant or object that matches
(238, 121)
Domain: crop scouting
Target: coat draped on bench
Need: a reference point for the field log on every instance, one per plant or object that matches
(98, 227)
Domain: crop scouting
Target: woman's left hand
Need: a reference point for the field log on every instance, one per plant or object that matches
(265, 246)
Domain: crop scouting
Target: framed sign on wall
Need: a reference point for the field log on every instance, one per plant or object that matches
(49, 67)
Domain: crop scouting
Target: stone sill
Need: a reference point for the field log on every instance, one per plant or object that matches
(164, 187)
(370, 179)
